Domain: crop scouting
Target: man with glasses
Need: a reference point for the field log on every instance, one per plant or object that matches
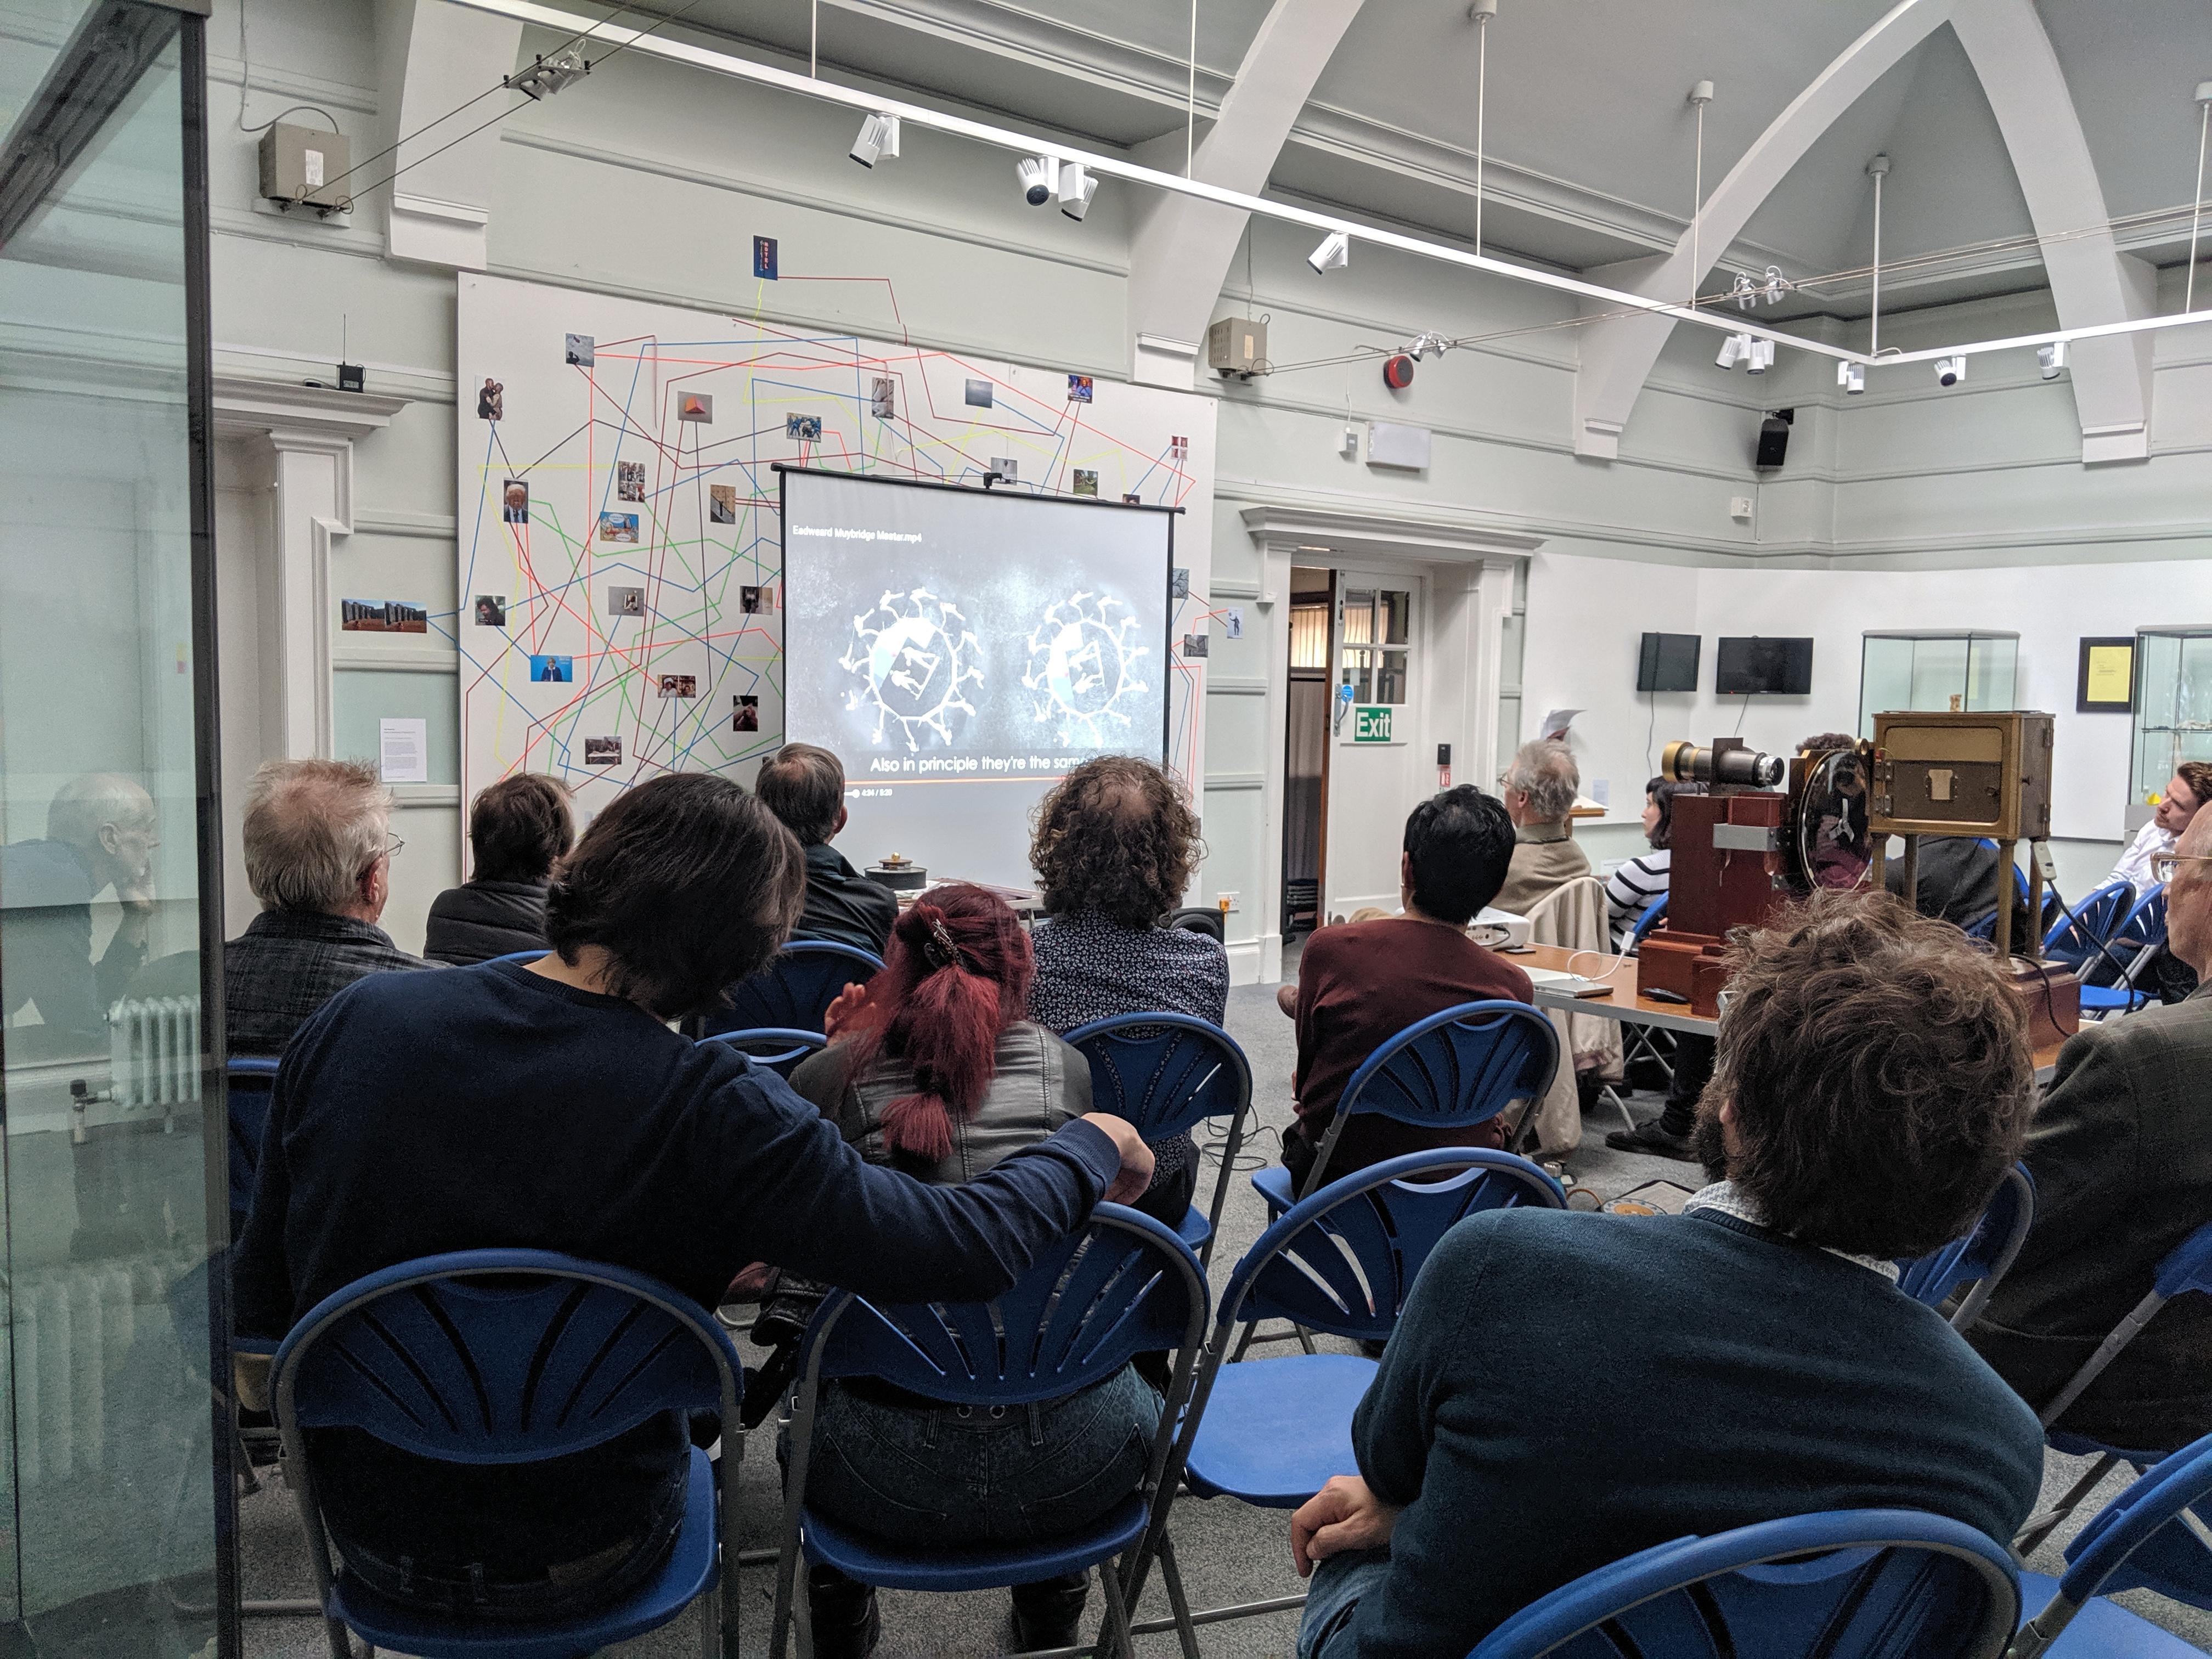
(2121, 1150)
(319, 851)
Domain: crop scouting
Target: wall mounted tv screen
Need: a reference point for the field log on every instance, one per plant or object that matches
(1668, 662)
(1758, 667)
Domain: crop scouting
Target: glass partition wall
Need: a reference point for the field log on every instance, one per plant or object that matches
(115, 1453)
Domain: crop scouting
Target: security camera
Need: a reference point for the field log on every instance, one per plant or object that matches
(1076, 187)
(879, 140)
(2052, 359)
(1950, 371)
(1039, 178)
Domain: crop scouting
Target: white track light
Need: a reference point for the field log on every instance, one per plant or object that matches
(1950, 371)
(1760, 358)
(2052, 359)
(1851, 377)
(1039, 178)
(1077, 186)
(879, 140)
(548, 74)
(1735, 346)
(1334, 254)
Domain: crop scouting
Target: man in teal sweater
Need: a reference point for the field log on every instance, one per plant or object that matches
(1565, 1390)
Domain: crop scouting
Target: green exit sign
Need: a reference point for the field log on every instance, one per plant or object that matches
(1370, 723)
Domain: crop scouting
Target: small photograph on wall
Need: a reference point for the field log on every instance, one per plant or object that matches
(1195, 645)
(755, 600)
(579, 350)
(625, 602)
(514, 502)
(491, 400)
(1008, 468)
(695, 406)
(618, 528)
(1079, 388)
(1130, 498)
(722, 503)
(679, 685)
(630, 481)
(553, 670)
(979, 394)
(2105, 681)
(1087, 481)
(382, 617)
(492, 610)
(745, 714)
(805, 428)
(883, 397)
(602, 752)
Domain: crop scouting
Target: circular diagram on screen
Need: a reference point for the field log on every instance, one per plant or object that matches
(914, 657)
(1082, 668)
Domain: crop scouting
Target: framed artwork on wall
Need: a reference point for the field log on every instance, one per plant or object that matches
(2105, 683)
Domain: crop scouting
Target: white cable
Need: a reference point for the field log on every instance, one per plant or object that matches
(2197, 206)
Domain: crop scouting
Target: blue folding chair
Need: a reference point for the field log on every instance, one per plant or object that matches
(1654, 914)
(1164, 1073)
(509, 1357)
(516, 956)
(1123, 1285)
(1451, 1071)
(1272, 1432)
(251, 1079)
(794, 992)
(2150, 1537)
(1880, 1584)
(2187, 1270)
(2075, 936)
(2138, 939)
(780, 1051)
(1982, 1258)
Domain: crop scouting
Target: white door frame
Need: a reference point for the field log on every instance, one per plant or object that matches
(1469, 595)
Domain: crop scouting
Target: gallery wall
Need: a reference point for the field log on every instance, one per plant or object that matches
(647, 181)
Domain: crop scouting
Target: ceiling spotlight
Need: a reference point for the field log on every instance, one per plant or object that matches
(1334, 254)
(1950, 371)
(1777, 285)
(1076, 187)
(1735, 346)
(879, 140)
(548, 74)
(1426, 343)
(2052, 359)
(1851, 377)
(1745, 293)
(1760, 358)
(1039, 178)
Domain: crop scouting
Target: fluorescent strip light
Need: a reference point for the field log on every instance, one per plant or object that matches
(1111, 167)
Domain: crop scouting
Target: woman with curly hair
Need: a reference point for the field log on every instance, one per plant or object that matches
(1115, 848)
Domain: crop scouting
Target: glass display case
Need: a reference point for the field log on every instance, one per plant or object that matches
(2173, 708)
(1942, 670)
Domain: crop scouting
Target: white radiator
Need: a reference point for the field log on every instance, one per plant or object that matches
(155, 1048)
(72, 1327)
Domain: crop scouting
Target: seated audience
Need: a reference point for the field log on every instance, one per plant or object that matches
(1362, 982)
(1630, 889)
(2121, 1150)
(934, 1071)
(1115, 847)
(1538, 795)
(2188, 788)
(100, 833)
(805, 787)
(548, 1105)
(519, 829)
(1957, 881)
(319, 852)
(1760, 1360)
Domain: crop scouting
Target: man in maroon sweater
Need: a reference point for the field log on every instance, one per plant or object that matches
(1362, 983)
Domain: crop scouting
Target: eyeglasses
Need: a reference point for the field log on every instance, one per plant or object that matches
(2163, 865)
(393, 846)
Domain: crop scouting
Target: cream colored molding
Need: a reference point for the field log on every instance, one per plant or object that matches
(1341, 532)
(245, 404)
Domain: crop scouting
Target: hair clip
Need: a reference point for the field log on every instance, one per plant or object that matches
(940, 948)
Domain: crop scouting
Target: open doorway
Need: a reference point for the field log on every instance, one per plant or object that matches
(1305, 751)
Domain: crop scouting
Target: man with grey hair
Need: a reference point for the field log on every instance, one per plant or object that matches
(99, 833)
(1540, 793)
(318, 857)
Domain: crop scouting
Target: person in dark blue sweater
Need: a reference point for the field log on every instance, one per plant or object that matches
(1565, 1390)
(549, 1106)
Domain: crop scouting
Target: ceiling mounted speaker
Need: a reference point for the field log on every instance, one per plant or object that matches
(1773, 443)
(1397, 371)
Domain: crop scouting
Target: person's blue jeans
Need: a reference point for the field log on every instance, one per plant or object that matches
(973, 1474)
(1332, 1595)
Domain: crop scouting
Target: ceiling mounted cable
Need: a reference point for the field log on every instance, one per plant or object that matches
(1190, 102)
(1482, 11)
(1700, 96)
(2196, 196)
(1879, 167)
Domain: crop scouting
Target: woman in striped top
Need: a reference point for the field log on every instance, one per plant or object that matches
(1631, 889)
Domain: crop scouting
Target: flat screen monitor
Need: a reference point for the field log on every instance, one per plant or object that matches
(1668, 662)
(1759, 667)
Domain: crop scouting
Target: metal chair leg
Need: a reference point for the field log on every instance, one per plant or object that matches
(1178, 1604)
(1618, 1105)
(2040, 1527)
(1115, 1625)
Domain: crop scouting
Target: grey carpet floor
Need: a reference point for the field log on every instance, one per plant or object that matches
(1230, 1553)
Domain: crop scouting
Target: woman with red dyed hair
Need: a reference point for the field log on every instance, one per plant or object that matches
(935, 1069)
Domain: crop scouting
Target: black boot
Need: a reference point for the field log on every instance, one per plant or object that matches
(1049, 1613)
(1653, 1137)
(846, 1623)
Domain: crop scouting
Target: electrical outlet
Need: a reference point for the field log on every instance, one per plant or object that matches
(1225, 901)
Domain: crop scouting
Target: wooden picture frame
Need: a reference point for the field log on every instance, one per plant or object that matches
(2106, 667)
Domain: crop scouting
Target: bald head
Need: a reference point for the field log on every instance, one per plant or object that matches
(98, 800)
(2189, 898)
(315, 837)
